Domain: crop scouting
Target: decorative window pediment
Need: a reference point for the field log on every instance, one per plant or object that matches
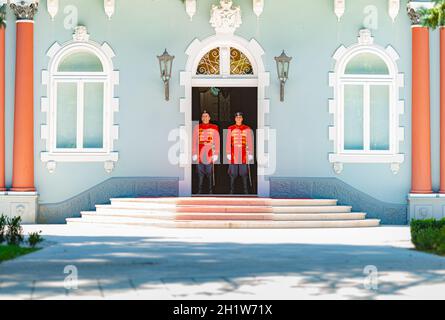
(366, 105)
(80, 104)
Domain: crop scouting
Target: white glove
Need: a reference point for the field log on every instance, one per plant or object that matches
(195, 158)
(229, 157)
(215, 158)
(250, 157)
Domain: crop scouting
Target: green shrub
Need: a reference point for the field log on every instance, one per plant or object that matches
(34, 238)
(3, 221)
(429, 235)
(14, 233)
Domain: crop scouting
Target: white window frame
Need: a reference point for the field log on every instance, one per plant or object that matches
(109, 77)
(339, 79)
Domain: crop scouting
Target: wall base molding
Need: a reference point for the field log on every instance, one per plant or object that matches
(117, 187)
(333, 188)
(426, 206)
(19, 204)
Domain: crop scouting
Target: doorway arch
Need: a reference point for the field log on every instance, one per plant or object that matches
(189, 79)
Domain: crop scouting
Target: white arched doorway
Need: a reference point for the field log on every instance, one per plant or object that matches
(258, 78)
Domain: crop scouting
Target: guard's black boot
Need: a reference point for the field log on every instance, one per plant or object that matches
(245, 185)
(201, 183)
(210, 185)
(232, 185)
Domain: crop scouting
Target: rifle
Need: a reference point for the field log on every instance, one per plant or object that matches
(248, 168)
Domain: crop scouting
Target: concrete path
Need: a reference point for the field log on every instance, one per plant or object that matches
(151, 263)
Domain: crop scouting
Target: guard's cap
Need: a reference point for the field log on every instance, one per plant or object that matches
(205, 112)
(239, 114)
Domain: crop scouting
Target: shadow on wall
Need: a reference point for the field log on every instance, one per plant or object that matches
(333, 188)
(115, 265)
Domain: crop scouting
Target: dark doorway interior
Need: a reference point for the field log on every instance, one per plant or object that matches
(222, 103)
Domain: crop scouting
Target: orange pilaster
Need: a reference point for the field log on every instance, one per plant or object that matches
(421, 130)
(23, 165)
(2, 108)
(442, 110)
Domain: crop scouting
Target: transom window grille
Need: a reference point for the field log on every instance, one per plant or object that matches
(225, 60)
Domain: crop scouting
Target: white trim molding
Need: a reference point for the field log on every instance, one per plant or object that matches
(394, 80)
(51, 77)
(189, 79)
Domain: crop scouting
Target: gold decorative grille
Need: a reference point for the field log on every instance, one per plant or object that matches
(209, 64)
(239, 63)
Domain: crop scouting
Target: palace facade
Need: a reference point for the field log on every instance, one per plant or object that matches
(90, 111)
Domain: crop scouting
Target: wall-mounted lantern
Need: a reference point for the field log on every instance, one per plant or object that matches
(165, 64)
(190, 8)
(53, 7)
(109, 7)
(283, 64)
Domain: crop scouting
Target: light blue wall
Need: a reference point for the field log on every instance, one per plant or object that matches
(141, 29)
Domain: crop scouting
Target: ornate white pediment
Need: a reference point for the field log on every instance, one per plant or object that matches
(225, 18)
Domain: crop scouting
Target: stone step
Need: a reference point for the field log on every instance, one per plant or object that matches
(220, 201)
(228, 216)
(229, 224)
(223, 209)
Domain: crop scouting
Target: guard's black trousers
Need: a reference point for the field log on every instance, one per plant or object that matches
(239, 170)
(205, 171)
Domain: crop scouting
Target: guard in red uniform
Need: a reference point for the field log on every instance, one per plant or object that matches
(205, 150)
(239, 152)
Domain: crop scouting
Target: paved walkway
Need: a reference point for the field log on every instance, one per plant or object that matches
(151, 263)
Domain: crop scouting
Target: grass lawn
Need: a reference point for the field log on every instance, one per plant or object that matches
(12, 252)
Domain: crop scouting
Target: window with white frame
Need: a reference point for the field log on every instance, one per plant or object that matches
(366, 105)
(80, 103)
(80, 86)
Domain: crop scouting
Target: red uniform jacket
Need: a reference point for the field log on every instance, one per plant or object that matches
(239, 143)
(206, 140)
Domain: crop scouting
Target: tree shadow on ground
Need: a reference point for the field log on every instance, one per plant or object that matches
(112, 265)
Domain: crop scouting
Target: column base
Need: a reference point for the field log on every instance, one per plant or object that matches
(22, 189)
(426, 206)
(421, 192)
(21, 204)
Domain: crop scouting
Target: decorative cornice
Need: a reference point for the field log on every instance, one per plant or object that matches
(25, 10)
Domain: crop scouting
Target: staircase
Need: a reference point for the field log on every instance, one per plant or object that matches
(226, 213)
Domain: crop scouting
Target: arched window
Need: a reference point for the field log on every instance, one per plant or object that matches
(366, 105)
(225, 61)
(81, 102)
